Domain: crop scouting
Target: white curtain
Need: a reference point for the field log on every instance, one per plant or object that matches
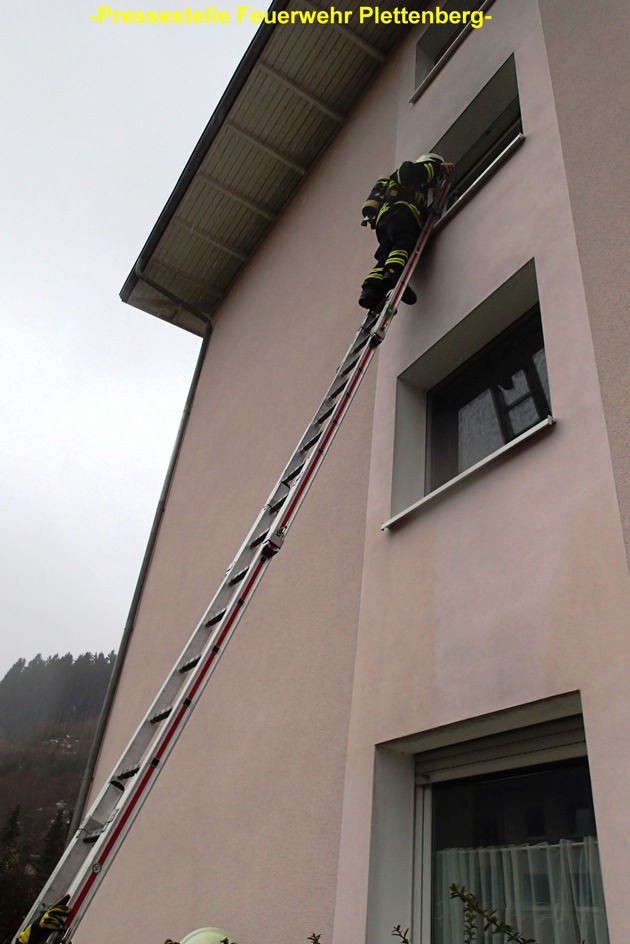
(552, 893)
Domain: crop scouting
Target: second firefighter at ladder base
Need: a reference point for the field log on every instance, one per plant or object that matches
(52, 919)
(397, 209)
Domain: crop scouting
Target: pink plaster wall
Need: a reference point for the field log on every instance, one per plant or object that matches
(587, 50)
(514, 587)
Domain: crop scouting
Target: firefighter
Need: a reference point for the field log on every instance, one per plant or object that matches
(397, 208)
(54, 919)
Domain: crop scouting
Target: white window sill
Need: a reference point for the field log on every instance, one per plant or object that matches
(480, 181)
(454, 482)
(439, 65)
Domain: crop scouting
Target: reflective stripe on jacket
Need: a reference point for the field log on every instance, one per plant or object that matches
(408, 185)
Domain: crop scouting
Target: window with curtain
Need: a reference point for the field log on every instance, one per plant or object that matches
(481, 386)
(499, 393)
(525, 843)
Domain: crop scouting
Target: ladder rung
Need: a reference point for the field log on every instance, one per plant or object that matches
(324, 416)
(292, 474)
(360, 344)
(349, 367)
(311, 442)
(128, 772)
(278, 503)
(238, 577)
(93, 836)
(187, 666)
(161, 715)
(259, 539)
(218, 616)
(334, 393)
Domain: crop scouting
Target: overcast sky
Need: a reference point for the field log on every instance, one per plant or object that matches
(97, 122)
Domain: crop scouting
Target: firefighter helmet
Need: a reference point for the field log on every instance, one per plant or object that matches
(434, 158)
(207, 936)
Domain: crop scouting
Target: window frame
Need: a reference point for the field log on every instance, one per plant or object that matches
(424, 863)
(447, 52)
(497, 312)
(479, 182)
(494, 140)
(452, 484)
(397, 770)
(480, 372)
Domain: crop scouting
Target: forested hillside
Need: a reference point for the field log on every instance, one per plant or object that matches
(49, 709)
(51, 691)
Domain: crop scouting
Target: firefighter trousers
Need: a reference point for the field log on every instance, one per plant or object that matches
(397, 232)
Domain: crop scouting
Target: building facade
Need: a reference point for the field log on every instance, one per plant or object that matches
(432, 683)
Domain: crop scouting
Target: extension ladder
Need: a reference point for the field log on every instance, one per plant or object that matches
(101, 834)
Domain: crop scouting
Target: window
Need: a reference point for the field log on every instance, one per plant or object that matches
(490, 124)
(502, 804)
(439, 39)
(522, 839)
(491, 399)
(480, 388)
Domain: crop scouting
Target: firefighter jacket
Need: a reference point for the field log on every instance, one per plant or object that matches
(409, 185)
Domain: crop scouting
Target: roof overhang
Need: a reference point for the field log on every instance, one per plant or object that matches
(289, 97)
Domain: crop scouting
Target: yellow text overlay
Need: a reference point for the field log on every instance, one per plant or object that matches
(244, 14)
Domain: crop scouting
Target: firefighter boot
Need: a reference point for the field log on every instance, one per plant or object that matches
(390, 279)
(371, 297)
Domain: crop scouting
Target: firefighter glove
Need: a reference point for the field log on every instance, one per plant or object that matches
(52, 920)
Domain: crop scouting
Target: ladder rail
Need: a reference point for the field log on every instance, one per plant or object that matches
(107, 805)
(107, 823)
(166, 741)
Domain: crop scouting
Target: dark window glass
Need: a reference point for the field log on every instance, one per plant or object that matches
(437, 37)
(483, 130)
(491, 399)
(481, 152)
(525, 844)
